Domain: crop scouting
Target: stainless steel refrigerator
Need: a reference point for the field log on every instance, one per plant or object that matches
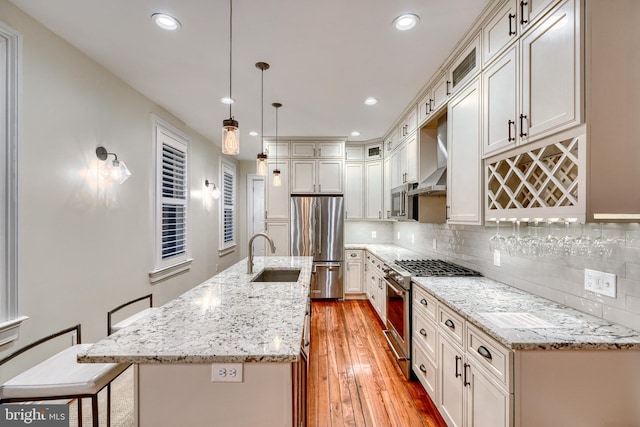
(317, 230)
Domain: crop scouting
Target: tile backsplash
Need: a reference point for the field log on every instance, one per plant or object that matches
(558, 278)
(368, 231)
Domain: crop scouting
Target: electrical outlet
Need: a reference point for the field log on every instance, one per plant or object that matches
(217, 268)
(496, 258)
(435, 244)
(413, 238)
(398, 235)
(226, 372)
(600, 282)
(373, 234)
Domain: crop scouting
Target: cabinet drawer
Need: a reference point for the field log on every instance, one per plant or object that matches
(491, 355)
(425, 370)
(452, 324)
(424, 302)
(424, 334)
(353, 255)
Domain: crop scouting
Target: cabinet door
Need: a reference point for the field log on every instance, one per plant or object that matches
(330, 149)
(281, 149)
(424, 106)
(465, 66)
(464, 179)
(396, 171)
(330, 176)
(550, 67)
(373, 186)
(277, 206)
(382, 299)
(441, 92)
(500, 31)
(303, 176)
(353, 190)
(500, 83)
(411, 157)
(386, 196)
(530, 11)
(487, 403)
(303, 149)
(451, 384)
(354, 277)
(354, 152)
(279, 232)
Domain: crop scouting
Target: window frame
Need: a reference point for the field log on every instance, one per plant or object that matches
(228, 166)
(10, 76)
(164, 133)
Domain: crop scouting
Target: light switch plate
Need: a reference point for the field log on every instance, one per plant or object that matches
(435, 244)
(600, 282)
(226, 372)
(373, 234)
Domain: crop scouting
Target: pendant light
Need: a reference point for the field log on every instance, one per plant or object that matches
(277, 180)
(230, 131)
(261, 166)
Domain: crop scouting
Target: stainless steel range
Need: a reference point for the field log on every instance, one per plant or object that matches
(398, 282)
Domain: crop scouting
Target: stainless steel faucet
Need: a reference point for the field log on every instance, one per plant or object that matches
(250, 259)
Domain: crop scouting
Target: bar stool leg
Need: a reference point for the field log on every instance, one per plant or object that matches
(109, 405)
(79, 401)
(94, 409)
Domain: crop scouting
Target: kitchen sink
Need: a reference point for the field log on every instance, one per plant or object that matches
(277, 275)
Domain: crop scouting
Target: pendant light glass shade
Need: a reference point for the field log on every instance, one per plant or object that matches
(277, 181)
(230, 137)
(261, 164)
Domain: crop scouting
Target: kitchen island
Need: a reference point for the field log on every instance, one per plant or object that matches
(247, 335)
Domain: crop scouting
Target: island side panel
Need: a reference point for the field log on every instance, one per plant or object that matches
(183, 395)
(586, 388)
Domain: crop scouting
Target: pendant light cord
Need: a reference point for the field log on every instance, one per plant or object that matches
(262, 109)
(230, 52)
(277, 137)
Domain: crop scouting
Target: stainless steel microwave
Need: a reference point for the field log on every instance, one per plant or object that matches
(403, 206)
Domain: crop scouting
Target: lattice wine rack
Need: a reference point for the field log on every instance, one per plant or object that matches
(538, 182)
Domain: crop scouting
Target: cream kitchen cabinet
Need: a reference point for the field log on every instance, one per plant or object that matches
(354, 190)
(404, 162)
(317, 149)
(281, 149)
(435, 98)
(376, 289)
(389, 143)
(500, 31)
(277, 198)
(386, 185)
(316, 176)
(355, 268)
(464, 176)
(408, 124)
(530, 11)
(279, 233)
(500, 102)
(374, 208)
(550, 69)
(354, 153)
(465, 66)
(424, 341)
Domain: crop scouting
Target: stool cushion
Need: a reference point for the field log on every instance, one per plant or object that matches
(62, 375)
(131, 319)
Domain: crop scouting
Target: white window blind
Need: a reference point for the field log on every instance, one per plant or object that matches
(172, 251)
(228, 205)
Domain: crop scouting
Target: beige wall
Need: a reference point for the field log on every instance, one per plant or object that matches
(84, 251)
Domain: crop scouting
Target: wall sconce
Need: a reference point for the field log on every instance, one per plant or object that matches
(114, 171)
(215, 191)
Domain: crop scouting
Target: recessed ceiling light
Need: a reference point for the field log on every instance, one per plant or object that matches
(406, 22)
(253, 133)
(355, 133)
(227, 100)
(370, 101)
(166, 22)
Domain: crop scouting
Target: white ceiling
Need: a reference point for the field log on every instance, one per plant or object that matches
(326, 57)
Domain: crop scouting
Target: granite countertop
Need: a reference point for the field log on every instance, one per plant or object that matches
(474, 297)
(227, 318)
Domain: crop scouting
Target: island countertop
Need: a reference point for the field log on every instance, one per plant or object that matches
(226, 319)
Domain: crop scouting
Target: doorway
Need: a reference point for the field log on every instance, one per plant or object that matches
(255, 211)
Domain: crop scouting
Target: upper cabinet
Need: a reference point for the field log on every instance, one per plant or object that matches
(279, 149)
(321, 170)
(435, 99)
(354, 152)
(319, 149)
(408, 124)
(353, 190)
(529, 11)
(533, 89)
(374, 185)
(501, 30)
(465, 66)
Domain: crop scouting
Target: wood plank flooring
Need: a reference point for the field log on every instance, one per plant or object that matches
(353, 377)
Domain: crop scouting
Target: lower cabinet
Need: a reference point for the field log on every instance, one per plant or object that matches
(376, 288)
(353, 278)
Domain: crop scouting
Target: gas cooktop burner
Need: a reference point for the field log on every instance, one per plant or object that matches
(435, 267)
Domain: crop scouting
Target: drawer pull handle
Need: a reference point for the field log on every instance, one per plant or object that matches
(424, 302)
(465, 381)
(353, 255)
(423, 369)
(484, 352)
(458, 374)
(423, 332)
(450, 324)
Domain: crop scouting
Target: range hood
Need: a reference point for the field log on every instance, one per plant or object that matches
(436, 183)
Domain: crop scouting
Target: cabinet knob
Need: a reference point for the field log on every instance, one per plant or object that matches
(353, 255)
(423, 369)
(450, 324)
(423, 332)
(424, 302)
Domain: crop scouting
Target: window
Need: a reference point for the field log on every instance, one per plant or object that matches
(228, 206)
(10, 46)
(172, 254)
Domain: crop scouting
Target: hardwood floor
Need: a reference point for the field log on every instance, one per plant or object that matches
(353, 377)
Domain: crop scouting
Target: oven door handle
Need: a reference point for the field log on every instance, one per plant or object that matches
(386, 333)
(396, 290)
